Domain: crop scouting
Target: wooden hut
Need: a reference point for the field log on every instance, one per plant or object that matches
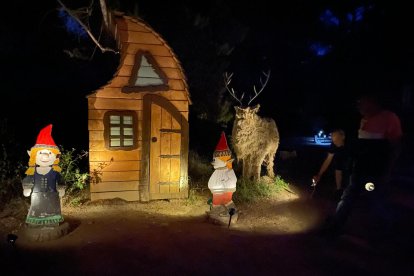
(138, 122)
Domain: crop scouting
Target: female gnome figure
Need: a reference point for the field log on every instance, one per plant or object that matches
(42, 180)
(222, 184)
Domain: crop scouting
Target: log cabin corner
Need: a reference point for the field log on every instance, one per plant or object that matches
(138, 122)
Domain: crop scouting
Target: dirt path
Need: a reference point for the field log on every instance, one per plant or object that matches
(174, 238)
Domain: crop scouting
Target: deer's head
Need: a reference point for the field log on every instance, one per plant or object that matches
(247, 113)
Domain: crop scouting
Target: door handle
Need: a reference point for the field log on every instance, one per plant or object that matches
(154, 139)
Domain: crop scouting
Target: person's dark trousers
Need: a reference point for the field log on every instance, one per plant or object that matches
(371, 159)
(345, 204)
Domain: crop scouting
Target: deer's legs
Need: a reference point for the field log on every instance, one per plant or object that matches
(256, 168)
(269, 164)
(245, 168)
(270, 172)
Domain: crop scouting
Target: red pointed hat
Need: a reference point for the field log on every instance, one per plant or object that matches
(222, 149)
(44, 138)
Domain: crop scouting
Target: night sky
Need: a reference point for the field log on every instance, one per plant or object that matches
(322, 54)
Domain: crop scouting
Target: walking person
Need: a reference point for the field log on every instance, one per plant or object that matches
(337, 157)
(375, 154)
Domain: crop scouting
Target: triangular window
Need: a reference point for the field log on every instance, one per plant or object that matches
(146, 75)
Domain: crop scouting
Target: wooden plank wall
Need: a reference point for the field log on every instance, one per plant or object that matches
(121, 170)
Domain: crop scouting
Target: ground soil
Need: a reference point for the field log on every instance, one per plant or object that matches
(275, 236)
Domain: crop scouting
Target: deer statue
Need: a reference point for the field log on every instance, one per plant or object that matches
(255, 140)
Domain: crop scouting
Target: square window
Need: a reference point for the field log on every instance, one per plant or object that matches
(121, 130)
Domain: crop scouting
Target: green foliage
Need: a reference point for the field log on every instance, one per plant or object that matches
(72, 176)
(76, 198)
(75, 202)
(280, 184)
(249, 191)
(75, 179)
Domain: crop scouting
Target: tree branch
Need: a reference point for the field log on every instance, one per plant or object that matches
(103, 49)
(104, 13)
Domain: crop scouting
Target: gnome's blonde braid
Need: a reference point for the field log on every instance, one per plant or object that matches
(32, 160)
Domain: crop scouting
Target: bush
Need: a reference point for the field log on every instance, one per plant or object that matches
(75, 180)
(249, 191)
(72, 176)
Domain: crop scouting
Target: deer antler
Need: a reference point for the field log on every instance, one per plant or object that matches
(263, 85)
(227, 80)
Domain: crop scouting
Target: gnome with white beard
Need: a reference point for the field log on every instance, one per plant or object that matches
(222, 185)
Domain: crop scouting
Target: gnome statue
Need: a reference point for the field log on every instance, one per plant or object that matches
(41, 183)
(222, 184)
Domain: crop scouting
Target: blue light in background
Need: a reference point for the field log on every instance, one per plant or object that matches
(329, 19)
(322, 139)
(359, 13)
(320, 49)
(71, 25)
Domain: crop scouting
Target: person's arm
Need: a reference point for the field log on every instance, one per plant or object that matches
(324, 167)
(338, 179)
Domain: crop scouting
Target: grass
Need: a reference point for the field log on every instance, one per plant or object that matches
(249, 191)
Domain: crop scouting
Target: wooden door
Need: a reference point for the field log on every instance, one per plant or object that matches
(167, 146)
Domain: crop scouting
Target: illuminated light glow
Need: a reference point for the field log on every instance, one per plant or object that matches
(369, 186)
(276, 222)
(320, 49)
(71, 25)
(329, 19)
(322, 139)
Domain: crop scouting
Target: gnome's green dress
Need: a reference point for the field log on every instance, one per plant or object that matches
(45, 202)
